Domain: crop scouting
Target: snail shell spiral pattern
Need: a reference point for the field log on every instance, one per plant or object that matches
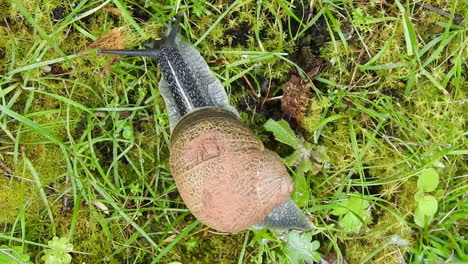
(224, 174)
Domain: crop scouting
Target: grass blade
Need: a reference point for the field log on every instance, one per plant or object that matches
(31, 124)
(42, 193)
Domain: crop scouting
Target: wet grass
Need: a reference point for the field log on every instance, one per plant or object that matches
(84, 138)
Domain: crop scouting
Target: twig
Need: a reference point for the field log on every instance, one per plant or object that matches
(274, 98)
(456, 17)
(9, 172)
(5, 168)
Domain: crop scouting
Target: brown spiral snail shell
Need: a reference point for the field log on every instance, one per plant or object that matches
(221, 166)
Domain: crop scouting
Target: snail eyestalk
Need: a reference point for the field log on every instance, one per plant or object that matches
(171, 38)
(139, 53)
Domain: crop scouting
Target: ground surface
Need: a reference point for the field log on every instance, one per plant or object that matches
(375, 93)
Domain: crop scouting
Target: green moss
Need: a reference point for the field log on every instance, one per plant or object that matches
(311, 120)
(88, 237)
(337, 139)
(209, 249)
(5, 8)
(21, 190)
(13, 194)
(440, 118)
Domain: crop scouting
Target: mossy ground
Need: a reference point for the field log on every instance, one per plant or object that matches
(84, 141)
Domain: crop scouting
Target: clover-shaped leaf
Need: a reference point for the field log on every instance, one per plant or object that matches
(58, 251)
(300, 248)
(428, 205)
(352, 211)
(419, 217)
(428, 180)
(350, 223)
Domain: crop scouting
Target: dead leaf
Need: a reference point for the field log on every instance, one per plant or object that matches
(296, 97)
(316, 70)
(170, 239)
(112, 10)
(106, 69)
(331, 258)
(112, 40)
(101, 206)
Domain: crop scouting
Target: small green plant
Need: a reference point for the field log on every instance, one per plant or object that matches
(192, 243)
(126, 128)
(360, 19)
(300, 248)
(13, 255)
(352, 212)
(58, 253)
(302, 157)
(198, 9)
(427, 204)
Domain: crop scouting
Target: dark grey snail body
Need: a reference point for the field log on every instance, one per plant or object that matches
(177, 74)
(226, 177)
(188, 96)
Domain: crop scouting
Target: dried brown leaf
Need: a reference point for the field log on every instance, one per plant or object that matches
(112, 10)
(296, 97)
(112, 40)
(106, 69)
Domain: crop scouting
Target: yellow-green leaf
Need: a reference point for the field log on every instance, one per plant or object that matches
(428, 180)
(428, 205)
(282, 132)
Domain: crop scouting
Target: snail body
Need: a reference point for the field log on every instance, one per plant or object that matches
(226, 177)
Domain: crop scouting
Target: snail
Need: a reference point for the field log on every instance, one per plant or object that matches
(226, 177)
